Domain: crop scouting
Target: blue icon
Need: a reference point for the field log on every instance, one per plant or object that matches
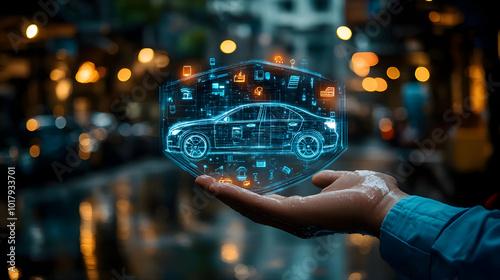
(259, 75)
(242, 173)
(286, 170)
(187, 93)
(293, 82)
(219, 170)
(251, 118)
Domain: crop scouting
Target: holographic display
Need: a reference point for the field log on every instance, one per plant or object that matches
(259, 125)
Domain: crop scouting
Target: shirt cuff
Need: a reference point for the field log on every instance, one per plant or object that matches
(409, 231)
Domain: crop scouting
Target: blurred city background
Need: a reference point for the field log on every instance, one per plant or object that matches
(79, 118)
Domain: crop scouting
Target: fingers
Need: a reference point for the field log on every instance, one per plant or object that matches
(234, 200)
(276, 207)
(205, 181)
(333, 210)
(325, 178)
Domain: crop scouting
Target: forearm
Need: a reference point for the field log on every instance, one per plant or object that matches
(425, 239)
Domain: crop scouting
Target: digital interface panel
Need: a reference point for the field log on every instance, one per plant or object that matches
(259, 125)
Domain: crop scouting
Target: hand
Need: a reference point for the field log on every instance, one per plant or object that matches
(349, 202)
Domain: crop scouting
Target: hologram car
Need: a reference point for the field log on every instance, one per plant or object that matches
(255, 128)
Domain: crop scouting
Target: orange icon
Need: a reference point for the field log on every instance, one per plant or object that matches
(328, 92)
(246, 183)
(240, 78)
(186, 70)
(258, 91)
(225, 180)
(278, 59)
(292, 62)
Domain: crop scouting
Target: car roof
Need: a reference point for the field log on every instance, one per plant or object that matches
(276, 104)
(294, 108)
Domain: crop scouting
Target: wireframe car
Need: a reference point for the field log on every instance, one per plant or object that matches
(255, 129)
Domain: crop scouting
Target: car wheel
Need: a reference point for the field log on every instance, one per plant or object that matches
(195, 146)
(307, 146)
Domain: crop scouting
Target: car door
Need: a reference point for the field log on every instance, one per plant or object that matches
(279, 125)
(239, 128)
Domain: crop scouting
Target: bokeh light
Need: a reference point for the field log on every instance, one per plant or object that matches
(386, 129)
(87, 73)
(32, 125)
(369, 84)
(124, 74)
(60, 122)
(35, 151)
(86, 144)
(381, 84)
(63, 89)
(31, 31)
(422, 74)
(393, 73)
(344, 33)
(434, 16)
(228, 46)
(370, 57)
(359, 66)
(145, 55)
(14, 273)
(355, 276)
(229, 253)
(83, 154)
(385, 124)
(57, 74)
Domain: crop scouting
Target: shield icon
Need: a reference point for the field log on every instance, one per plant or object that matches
(259, 125)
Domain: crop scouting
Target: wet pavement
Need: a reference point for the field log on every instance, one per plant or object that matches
(147, 220)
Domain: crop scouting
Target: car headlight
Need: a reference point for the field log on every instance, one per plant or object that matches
(175, 132)
(331, 125)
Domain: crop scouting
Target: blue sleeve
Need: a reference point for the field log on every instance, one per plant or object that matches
(425, 239)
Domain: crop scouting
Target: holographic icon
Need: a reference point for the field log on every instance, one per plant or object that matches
(186, 71)
(328, 92)
(258, 91)
(238, 123)
(240, 78)
(225, 180)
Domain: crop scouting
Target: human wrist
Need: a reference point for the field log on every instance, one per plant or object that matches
(382, 209)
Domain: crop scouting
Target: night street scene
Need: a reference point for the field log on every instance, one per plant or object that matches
(98, 180)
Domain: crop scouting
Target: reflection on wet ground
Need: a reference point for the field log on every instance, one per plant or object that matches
(148, 220)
